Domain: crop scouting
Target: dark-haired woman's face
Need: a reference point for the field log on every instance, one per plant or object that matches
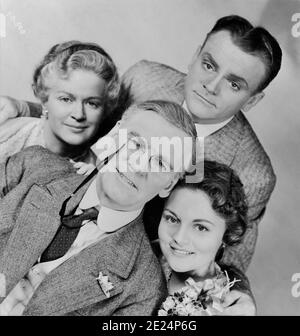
(190, 231)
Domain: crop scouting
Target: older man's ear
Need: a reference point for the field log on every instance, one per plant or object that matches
(167, 190)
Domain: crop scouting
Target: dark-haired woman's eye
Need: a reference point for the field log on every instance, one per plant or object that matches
(170, 219)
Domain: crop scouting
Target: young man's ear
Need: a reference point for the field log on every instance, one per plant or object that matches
(167, 190)
(252, 101)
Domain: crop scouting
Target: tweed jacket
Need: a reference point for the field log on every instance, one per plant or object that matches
(235, 145)
(33, 185)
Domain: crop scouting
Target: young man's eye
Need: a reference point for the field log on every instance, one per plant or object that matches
(207, 66)
(234, 86)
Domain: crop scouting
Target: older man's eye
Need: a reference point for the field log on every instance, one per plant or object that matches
(134, 144)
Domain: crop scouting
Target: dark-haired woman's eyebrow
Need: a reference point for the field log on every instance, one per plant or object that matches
(200, 221)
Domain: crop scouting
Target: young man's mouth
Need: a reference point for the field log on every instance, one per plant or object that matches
(204, 100)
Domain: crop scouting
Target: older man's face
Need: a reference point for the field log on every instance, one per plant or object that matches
(141, 170)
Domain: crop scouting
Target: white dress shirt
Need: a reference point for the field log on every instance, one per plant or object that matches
(108, 222)
(204, 130)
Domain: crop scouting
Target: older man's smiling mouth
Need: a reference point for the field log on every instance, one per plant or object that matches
(206, 101)
(126, 179)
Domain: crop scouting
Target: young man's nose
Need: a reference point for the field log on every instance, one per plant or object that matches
(212, 84)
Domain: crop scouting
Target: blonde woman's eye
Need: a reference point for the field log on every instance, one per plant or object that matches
(65, 99)
(94, 105)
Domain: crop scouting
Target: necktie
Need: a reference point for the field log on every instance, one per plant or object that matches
(66, 234)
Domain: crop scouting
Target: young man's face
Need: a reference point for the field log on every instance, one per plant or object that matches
(222, 79)
(131, 188)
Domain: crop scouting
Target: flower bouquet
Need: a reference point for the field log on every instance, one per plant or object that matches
(203, 298)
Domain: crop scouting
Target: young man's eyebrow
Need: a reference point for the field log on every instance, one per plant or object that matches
(210, 59)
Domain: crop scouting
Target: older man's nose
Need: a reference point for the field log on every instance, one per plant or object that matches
(138, 162)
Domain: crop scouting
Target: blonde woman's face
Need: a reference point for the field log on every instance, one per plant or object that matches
(190, 231)
(75, 107)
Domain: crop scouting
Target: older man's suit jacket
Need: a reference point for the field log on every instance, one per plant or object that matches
(235, 145)
(33, 185)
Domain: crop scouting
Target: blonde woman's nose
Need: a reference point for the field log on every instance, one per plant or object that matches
(78, 112)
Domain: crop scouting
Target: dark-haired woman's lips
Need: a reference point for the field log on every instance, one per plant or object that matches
(180, 251)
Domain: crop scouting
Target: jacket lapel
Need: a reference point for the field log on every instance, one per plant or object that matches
(74, 285)
(34, 228)
(223, 144)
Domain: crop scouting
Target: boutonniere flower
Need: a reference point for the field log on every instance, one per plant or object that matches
(105, 284)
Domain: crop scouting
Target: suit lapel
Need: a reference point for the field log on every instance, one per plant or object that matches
(223, 144)
(73, 284)
(34, 228)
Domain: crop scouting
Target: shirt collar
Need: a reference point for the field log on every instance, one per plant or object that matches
(108, 220)
(204, 130)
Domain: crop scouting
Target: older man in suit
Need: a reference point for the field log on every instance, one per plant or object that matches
(49, 265)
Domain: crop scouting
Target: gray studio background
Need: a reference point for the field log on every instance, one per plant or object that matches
(169, 31)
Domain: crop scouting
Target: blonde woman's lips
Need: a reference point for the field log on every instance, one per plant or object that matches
(76, 128)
